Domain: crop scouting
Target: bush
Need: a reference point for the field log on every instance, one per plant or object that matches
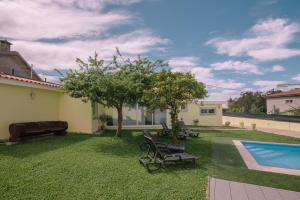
(227, 124)
(196, 122)
(242, 125)
(253, 126)
(109, 121)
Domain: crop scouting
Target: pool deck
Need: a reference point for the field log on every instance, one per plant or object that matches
(228, 190)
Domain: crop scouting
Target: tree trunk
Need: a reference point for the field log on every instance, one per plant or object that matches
(120, 121)
(174, 119)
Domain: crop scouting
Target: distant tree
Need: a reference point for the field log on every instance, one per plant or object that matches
(121, 82)
(249, 102)
(169, 90)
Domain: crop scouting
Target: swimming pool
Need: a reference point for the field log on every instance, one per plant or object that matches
(271, 157)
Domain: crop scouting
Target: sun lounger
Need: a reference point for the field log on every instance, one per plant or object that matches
(172, 148)
(155, 159)
(190, 132)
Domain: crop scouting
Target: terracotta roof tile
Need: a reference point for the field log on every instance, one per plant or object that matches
(26, 80)
(286, 94)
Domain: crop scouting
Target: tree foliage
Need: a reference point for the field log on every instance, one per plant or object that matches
(118, 83)
(169, 90)
(249, 102)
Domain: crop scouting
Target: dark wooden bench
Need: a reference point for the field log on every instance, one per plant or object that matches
(21, 131)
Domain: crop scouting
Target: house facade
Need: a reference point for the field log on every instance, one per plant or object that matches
(207, 113)
(284, 102)
(26, 98)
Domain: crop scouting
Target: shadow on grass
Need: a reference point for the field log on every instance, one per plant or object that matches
(41, 145)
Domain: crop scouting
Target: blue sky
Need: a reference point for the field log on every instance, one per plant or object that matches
(231, 44)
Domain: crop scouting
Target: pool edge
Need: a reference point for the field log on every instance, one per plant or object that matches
(253, 165)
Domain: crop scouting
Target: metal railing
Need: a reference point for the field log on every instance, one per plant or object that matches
(284, 118)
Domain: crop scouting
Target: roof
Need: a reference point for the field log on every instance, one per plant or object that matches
(18, 55)
(290, 93)
(5, 41)
(30, 81)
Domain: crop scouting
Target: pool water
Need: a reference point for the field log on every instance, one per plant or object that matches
(275, 155)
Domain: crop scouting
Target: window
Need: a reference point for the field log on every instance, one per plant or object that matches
(183, 107)
(207, 111)
(289, 101)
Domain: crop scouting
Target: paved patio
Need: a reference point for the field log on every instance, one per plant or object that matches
(228, 190)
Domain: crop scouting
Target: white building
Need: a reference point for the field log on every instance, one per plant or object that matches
(284, 102)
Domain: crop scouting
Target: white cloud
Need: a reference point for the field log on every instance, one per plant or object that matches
(32, 20)
(183, 63)
(265, 85)
(238, 66)
(222, 95)
(266, 40)
(297, 77)
(278, 68)
(62, 55)
(202, 74)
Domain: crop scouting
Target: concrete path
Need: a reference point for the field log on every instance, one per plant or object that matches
(228, 190)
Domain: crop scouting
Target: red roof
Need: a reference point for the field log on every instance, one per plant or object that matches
(290, 93)
(26, 80)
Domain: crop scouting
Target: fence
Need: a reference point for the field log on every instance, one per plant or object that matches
(283, 118)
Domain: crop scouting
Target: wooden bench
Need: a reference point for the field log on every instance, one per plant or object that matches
(22, 131)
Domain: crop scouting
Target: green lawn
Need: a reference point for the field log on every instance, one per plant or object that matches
(105, 167)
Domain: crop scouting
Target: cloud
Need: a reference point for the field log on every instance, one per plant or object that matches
(237, 66)
(265, 85)
(278, 68)
(297, 77)
(265, 41)
(202, 74)
(52, 19)
(62, 55)
(222, 95)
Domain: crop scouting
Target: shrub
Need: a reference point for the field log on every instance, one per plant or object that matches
(227, 124)
(253, 126)
(196, 122)
(109, 121)
(242, 125)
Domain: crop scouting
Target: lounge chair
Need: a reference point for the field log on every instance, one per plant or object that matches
(155, 159)
(171, 148)
(188, 131)
(168, 132)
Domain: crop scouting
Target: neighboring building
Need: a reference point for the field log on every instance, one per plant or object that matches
(12, 63)
(283, 102)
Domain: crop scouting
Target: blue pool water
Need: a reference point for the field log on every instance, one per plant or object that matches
(275, 155)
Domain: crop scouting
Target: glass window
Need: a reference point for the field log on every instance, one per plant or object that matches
(207, 111)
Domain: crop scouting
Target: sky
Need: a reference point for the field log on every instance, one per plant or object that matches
(230, 45)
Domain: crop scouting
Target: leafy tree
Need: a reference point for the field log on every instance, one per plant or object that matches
(170, 90)
(113, 85)
(249, 102)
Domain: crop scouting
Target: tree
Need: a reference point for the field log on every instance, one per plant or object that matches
(121, 82)
(249, 102)
(170, 90)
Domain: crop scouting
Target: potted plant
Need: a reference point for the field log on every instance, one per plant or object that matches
(102, 121)
(242, 125)
(196, 122)
(227, 124)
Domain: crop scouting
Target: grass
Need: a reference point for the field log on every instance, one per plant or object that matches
(106, 167)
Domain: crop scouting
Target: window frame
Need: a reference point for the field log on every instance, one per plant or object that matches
(208, 111)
